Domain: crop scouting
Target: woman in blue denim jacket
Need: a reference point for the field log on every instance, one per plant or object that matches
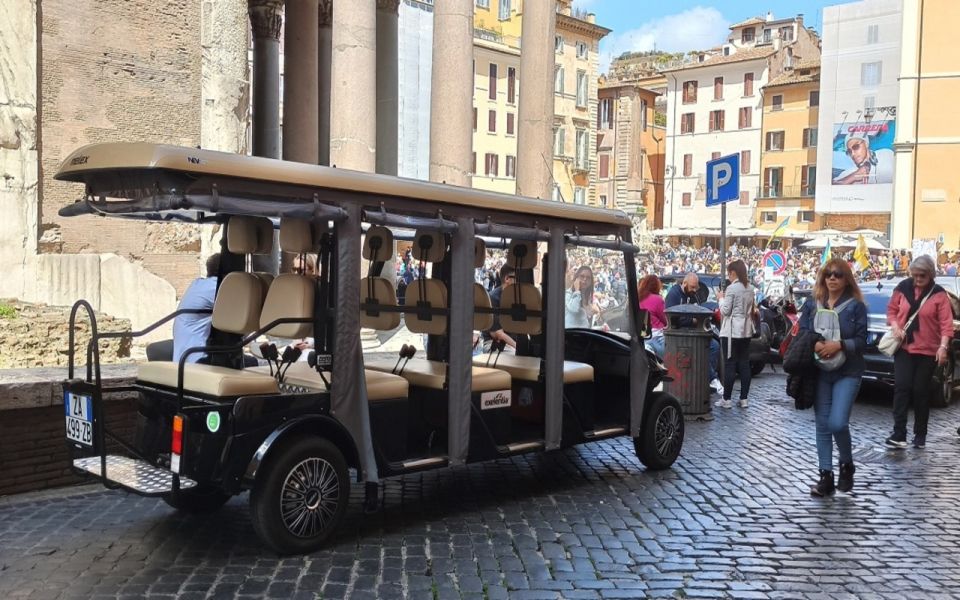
(837, 389)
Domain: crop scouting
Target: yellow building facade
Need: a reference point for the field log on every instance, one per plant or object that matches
(495, 105)
(497, 29)
(927, 148)
(788, 155)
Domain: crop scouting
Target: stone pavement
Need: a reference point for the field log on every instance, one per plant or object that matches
(732, 519)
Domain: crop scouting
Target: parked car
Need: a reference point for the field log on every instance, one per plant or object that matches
(876, 295)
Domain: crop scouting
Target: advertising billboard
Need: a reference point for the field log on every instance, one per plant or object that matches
(863, 153)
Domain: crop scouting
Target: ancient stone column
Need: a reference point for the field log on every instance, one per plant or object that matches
(353, 100)
(388, 86)
(324, 62)
(266, 18)
(224, 89)
(451, 93)
(300, 82)
(535, 130)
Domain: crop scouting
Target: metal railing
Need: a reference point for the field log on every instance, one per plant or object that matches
(786, 191)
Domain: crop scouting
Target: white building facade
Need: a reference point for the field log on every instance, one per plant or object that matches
(859, 91)
(719, 114)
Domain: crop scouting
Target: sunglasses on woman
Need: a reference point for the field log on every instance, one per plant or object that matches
(832, 275)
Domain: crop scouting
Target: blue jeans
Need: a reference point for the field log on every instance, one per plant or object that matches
(656, 345)
(714, 358)
(835, 396)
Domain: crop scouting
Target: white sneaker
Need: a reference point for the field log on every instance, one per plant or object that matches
(744, 403)
(724, 404)
(716, 385)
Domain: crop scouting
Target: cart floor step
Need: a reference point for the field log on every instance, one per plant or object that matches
(136, 475)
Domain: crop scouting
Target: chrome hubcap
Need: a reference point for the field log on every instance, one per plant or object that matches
(309, 497)
(667, 432)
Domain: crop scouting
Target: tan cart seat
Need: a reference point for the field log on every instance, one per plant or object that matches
(380, 386)
(432, 374)
(208, 379)
(527, 368)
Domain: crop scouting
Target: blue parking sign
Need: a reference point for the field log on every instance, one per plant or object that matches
(723, 179)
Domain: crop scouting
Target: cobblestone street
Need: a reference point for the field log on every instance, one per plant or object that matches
(732, 519)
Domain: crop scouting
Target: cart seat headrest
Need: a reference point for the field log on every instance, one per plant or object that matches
(249, 235)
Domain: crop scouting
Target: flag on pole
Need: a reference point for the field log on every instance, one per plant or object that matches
(827, 254)
(779, 230)
(861, 254)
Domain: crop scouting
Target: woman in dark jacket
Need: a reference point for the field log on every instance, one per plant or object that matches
(836, 291)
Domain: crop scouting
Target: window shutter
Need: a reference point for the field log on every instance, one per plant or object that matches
(604, 166)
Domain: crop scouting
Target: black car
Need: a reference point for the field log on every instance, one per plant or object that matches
(876, 295)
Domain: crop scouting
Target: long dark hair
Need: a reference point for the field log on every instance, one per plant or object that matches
(820, 291)
(586, 297)
(740, 269)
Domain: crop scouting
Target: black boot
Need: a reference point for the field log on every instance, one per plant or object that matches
(824, 487)
(845, 481)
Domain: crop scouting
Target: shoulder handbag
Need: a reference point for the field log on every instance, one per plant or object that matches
(889, 343)
(830, 330)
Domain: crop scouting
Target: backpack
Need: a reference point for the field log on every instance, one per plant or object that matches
(826, 322)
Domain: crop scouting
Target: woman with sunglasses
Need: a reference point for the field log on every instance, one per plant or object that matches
(924, 345)
(836, 292)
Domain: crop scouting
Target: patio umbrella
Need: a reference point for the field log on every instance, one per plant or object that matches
(868, 233)
(820, 243)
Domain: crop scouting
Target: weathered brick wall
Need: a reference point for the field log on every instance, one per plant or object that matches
(118, 70)
(33, 452)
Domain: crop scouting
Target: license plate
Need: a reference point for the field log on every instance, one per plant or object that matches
(79, 412)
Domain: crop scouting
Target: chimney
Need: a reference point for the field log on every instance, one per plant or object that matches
(800, 19)
(769, 16)
(591, 18)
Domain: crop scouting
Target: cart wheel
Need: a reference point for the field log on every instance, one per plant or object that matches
(300, 496)
(198, 500)
(661, 434)
(756, 367)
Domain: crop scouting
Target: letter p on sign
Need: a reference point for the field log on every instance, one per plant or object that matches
(723, 179)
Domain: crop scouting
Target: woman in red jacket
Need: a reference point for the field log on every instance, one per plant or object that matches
(925, 344)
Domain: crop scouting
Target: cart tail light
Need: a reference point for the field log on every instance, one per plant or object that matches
(176, 444)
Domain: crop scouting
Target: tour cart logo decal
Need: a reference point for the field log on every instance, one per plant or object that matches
(79, 160)
(213, 422)
(499, 399)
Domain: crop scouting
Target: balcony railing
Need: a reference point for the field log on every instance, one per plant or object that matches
(487, 34)
(786, 191)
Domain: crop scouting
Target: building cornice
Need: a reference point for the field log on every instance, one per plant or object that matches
(568, 23)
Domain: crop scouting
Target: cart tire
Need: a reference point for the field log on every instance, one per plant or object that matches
(942, 385)
(756, 367)
(300, 495)
(661, 433)
(198, 500)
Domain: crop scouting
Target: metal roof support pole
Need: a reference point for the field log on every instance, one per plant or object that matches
(460, 373)
(554, 330)
(639, 368)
